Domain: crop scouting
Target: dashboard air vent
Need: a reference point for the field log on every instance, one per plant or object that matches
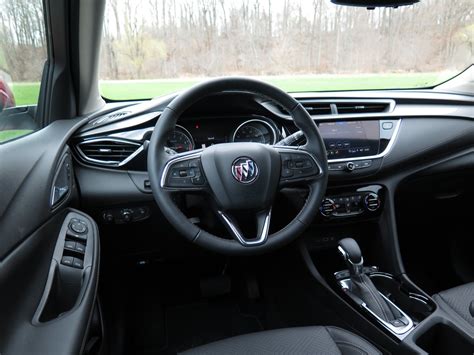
(108, 151)
(344, 108)
(317, 108)
(327, 207)
(372, 201)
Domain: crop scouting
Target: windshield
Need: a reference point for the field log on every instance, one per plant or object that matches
(161, 46)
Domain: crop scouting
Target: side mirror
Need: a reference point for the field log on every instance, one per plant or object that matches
(372, 4)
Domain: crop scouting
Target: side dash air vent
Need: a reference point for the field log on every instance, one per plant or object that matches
(108, 151)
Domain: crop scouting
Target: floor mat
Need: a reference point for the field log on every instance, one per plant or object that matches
(192, 325)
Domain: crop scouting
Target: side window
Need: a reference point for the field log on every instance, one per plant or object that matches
(22, 56)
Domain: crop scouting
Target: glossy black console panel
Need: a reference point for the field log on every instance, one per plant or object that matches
(405, 295)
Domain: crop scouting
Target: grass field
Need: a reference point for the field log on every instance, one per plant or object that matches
(13, 133)
(27, 93)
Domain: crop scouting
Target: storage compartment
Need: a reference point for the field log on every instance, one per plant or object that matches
(442, 339)
(417, 306)
(63, 293)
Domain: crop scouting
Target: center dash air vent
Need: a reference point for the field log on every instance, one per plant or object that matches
(317, 108)
(345, 108)
(108, 151)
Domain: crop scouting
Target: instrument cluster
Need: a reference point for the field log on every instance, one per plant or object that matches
(192, 134)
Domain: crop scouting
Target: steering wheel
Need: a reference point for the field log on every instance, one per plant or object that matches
(239, 176)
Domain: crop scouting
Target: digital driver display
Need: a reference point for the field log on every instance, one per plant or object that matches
(349, 139)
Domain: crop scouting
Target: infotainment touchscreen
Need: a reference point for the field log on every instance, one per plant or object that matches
(349, 139)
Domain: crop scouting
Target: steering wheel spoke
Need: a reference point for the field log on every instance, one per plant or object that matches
(184, 172)
(298, 166)
(263, 228)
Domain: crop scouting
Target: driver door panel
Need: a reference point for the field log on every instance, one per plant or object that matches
(45, 306)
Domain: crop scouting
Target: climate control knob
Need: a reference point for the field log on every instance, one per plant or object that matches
(328, 207)
(372, 201)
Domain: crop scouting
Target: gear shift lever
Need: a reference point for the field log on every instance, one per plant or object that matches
(352, 255)
(361, 284)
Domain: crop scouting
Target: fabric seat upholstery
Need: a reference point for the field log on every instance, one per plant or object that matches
(304, 340)
(457, 302)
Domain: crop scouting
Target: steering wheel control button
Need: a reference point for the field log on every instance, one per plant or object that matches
(286, 173)
(77, 263)
(297, 166)
(77, 226)
(244, 170)
(185, 174)
(198, 180)
(67, 260)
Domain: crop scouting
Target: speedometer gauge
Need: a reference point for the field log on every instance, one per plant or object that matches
(255, 131)
(180, 140)
(249, 134)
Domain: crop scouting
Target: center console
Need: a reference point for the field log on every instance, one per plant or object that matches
(387, 307)
(396, 306)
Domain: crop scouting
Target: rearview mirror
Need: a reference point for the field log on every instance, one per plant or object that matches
(371, 4)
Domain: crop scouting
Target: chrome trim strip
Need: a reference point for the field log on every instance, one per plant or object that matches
(257, 120)
(380, 155)
(121, 124)
(109, 162)
(262, 238)
(179, 158)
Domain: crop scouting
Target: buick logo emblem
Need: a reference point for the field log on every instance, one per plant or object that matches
(244, 170)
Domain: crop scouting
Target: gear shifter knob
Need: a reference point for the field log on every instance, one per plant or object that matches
(352, 255)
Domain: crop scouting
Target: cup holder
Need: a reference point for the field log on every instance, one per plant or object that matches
(417, 306)
(443, 339)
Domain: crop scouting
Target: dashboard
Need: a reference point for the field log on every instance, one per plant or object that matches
(364, 133)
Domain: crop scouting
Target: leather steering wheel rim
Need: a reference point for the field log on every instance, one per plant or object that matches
(158, 159)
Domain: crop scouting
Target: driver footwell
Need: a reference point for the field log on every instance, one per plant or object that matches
(161, 307)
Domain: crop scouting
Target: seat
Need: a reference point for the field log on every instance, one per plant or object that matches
(458, 302)
(303, 340)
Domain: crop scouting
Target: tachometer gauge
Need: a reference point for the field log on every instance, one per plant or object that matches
(255, 131)
(180, 140)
